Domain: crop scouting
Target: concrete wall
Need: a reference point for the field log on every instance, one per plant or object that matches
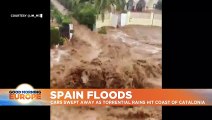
(124, 19)
(107, 21)
(132, 18)
(100, 23)
(139, 18)
(157, 20)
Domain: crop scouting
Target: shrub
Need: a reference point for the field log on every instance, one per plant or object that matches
(57, 15)
(85, 14)
(58, 19)
(66, 20)
(102, 30)
(61, 41)
(55, 36)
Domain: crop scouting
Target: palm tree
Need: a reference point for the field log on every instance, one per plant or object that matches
(114, 6)
(74, 4)
(70, 4)
(120, 5)
(140, 5)
(130, 5)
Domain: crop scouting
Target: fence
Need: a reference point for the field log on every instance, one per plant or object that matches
(130, 18)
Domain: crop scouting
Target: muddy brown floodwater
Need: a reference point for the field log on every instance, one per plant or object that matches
(127, 57)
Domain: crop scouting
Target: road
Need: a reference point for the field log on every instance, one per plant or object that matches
(59, 7)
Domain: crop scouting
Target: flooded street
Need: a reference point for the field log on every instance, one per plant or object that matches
(129, 57)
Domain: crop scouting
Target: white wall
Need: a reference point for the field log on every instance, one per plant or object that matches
(124, 18)
(132, 18)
